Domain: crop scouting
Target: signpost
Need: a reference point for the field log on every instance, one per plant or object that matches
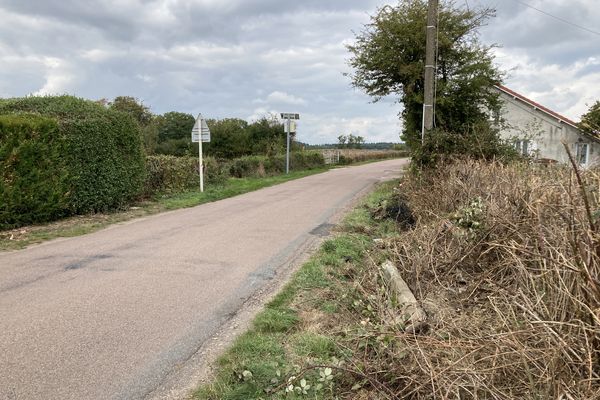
(290, 126)
(200, 133)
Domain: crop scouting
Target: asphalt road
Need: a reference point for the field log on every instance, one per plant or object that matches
(109, 315)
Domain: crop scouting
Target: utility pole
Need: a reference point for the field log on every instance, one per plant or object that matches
(430, 46)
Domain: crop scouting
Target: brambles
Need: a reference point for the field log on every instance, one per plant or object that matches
(504, 259)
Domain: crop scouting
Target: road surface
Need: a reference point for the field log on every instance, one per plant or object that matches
(111, 314)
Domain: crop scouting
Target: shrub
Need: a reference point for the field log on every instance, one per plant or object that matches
(253, 166)
(101, 150)
(481, 142)
(171, 174)
(33, 175)
(247, 166)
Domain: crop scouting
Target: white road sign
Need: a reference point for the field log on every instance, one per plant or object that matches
(200, 126)
(290, 116)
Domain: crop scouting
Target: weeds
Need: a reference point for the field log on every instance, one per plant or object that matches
(505, 261)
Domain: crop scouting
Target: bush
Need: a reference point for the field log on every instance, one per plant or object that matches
(247, 166)
(171, 174)
(101, 150)
(33, 175)
(482, 142)
(259, 166)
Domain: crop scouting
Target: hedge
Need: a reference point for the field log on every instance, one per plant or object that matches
(171, 174)
(100, 151)
(265, 166)
(33, 176)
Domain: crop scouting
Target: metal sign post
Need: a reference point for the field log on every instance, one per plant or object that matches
(288, 128)
(200, 133)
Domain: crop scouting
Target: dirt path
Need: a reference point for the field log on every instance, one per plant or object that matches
(117, 314)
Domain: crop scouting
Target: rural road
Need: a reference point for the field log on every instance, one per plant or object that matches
(110, 315)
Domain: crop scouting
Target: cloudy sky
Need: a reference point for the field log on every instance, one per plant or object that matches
(246, 58)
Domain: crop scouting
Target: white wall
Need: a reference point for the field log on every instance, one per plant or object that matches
(523, 121)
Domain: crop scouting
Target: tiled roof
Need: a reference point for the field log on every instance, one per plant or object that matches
(537, 106)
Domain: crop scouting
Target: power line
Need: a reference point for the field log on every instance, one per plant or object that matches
(558, 18)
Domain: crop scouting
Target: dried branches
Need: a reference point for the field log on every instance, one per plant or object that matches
(515, 298)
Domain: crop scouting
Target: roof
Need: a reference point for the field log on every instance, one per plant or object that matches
(537, 106)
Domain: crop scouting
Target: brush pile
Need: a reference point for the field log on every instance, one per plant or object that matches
(505, 260)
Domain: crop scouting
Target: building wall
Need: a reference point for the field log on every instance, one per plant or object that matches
(546, 133)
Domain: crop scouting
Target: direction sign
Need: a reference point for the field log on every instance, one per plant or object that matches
(200, 126)
(290, 116)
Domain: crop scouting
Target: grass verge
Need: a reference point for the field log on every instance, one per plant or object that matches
(79, 225)
(293, 349)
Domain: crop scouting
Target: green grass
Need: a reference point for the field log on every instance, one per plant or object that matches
(284, 339)
(79, 225)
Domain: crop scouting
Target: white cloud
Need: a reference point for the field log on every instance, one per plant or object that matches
(278, 97)
(566, 89)
(59, 77)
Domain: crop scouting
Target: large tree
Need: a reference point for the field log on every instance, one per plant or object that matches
(388, 58)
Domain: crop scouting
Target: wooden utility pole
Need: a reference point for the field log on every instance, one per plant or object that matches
(430, 46)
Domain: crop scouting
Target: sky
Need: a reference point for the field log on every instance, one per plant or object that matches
(248, 58)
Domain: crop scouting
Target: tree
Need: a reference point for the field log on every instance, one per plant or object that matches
(350, 141)
(388, 59)
(175, 134)
(590, 121)
(229, 138)
(141, 114)
(175, 125)
(133, 107)
(355, 142)
(266, 136)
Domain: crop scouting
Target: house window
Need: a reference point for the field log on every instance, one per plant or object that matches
(523, 147)
(581, 153)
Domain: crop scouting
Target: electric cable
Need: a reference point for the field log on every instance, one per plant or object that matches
(558, 18)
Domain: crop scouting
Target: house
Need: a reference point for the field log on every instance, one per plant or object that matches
(540, 132)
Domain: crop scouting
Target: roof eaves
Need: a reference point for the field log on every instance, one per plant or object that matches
(537, 106)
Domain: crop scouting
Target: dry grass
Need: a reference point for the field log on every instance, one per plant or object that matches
(505, 260)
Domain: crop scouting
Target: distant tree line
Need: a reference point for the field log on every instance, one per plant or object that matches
(170, 133)
(367, 146)
(350, 141)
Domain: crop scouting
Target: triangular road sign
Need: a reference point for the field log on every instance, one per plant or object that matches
(200, 125)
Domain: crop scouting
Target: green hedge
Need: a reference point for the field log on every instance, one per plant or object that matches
(101, 152)
(33, 176)
(258, 166)
(171, 174)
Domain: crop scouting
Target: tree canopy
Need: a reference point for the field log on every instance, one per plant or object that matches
(133, 107)
(590, 121)
(351, 141)
(388, 58)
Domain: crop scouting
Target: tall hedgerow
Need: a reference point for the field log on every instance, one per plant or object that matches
(33, 176)
(100, 149)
